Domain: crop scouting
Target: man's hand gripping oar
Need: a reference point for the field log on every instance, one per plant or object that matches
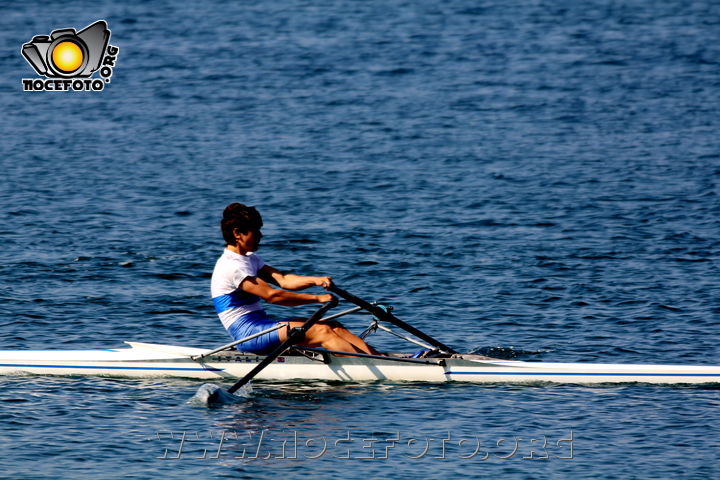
(383, 315)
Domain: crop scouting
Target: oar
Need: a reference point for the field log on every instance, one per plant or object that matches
(236, 342)
(390, 318)
(295, 336)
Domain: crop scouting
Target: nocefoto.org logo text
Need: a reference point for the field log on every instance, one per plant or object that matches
(68, 59)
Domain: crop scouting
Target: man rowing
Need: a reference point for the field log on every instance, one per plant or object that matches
(241, 279)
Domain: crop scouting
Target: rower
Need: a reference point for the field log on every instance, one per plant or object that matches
(241, 279)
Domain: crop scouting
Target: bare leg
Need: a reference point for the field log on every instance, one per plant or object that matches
(350, 338)
(324, 335)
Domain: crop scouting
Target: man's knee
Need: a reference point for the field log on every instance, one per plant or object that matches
(332, 324)
(321, 330)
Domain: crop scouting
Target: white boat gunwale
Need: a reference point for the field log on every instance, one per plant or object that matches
(143, 360)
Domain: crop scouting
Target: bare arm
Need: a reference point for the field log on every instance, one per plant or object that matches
(293, 282)
(258, 286)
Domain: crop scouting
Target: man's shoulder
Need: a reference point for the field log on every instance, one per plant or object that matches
(232, 259)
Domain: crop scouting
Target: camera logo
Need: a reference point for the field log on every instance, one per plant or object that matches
(68, 59)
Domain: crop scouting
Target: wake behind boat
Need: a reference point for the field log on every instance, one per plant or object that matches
(437, 363)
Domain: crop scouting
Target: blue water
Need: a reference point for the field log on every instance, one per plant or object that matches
(529, 179)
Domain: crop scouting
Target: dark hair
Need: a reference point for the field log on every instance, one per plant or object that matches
(239, 217)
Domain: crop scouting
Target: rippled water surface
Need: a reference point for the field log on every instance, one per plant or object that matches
(533, 180)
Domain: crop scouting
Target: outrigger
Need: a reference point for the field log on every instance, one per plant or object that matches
(436, 362)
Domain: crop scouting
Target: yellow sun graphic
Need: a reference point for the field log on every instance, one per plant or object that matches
(67, 56)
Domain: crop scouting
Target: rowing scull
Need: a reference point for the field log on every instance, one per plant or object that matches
(145, 360)
(148, 360)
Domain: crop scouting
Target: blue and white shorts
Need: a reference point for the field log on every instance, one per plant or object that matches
(250, 324)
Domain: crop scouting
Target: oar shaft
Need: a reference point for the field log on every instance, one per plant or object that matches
(238, 342)
(390, 318)
(295, 336)
(404, 337)
(338, 315)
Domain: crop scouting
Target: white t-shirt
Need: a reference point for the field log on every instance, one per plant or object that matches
(232, 302)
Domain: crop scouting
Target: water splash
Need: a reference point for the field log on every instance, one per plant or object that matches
(211, 394)
(507, 353)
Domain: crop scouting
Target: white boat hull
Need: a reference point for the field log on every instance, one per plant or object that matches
(151, 360)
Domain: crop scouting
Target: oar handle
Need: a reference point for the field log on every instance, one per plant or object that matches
(389, 317)
(295, 336)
